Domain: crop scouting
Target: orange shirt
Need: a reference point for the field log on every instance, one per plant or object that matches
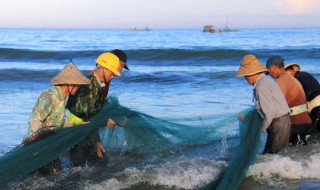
(295, 96)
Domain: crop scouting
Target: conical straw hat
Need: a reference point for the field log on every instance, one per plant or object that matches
(296, 66)
(70, 74)
(250, 65)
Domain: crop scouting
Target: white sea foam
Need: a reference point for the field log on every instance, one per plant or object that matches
(274, 170)
(185, 173)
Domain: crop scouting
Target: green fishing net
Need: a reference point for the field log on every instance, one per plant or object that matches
(245, 155)
(139, 133)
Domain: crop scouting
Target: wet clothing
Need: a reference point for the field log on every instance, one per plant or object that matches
(311, 88)
(295, 96)
(84, 104)
(49, 111)
(278, 134)
(274, 110)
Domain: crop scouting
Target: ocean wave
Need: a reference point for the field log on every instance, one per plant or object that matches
(140, 76)
(157, 55)
(42, 66)
(276, 170)
(11, 54)
(11, 75)
(180, 174)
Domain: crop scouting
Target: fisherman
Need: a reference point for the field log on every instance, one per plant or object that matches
(270, 103)
(311, 88)
(301, 122)
(89, 100)
(49, 111)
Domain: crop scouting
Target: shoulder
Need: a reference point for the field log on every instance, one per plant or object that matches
(49, 94)
(286, 78)
(301, 75)
(266, 81)
(265, 84)
(84, 91)
(265, 78)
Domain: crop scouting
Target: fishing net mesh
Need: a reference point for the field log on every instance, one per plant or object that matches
(138, 133)
(249, 127)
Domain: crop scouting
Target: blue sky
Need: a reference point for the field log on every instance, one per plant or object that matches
(113, 14)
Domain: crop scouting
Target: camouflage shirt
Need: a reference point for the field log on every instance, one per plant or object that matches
(49, 111)
(89, 99)
(87, 102)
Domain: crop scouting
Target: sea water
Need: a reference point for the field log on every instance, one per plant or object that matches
(183, 76)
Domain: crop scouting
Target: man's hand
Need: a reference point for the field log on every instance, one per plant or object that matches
(111, 123)
(100, 150)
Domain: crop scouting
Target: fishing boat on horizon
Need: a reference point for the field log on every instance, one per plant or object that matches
(211, 29)
(137, 29)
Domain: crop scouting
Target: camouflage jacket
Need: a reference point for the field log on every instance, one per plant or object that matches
(86, 102)
(49, 111)
(89, 99)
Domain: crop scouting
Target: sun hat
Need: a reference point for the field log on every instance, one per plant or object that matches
(70, 74)
(295, 66)
(250, 65)
(122, 56)
(110, 62)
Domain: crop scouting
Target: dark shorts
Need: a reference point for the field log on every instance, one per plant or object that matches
(298, 134)
(86, 155)
(278, 134)
(315, 116)
(83, 155)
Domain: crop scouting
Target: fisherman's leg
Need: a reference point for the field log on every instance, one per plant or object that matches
(303, 139)
(302, 131)
(305, 132)
(294, 139)
(279, 133)
(77, 156)
(315, 116)
(85, 152)
(53, 168)
(56, 167)
(299, 133)
(92, 157)
(267, 145)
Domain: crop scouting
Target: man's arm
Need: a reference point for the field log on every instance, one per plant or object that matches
(40, 112)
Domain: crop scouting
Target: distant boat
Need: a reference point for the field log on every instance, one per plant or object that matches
(147, 29)
(137, 29)
(211, 29)
(208, 28)
(134, 29)
(227, 29)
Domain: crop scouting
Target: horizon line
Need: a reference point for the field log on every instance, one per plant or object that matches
(162, 28)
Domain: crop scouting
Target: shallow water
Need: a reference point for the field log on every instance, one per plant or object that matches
(183, 76)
